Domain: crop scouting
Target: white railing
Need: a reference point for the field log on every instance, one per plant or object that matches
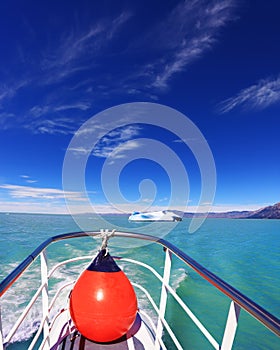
(238, 300)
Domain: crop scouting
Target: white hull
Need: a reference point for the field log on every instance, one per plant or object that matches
(161, 216)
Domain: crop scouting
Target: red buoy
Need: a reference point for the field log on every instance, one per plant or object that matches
(103, 303)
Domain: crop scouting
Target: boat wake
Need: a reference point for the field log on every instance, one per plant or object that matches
(179, 276)
(16, 299)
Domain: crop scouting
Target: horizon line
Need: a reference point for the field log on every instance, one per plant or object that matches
(233, 210)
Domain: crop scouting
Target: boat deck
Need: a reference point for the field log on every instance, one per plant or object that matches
(139, 337)
(79, 342)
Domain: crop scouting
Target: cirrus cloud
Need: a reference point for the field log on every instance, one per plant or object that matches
(17, 191)
(263, 94)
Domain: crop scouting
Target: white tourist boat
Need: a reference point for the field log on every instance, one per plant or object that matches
(162, 215)
(124, 323)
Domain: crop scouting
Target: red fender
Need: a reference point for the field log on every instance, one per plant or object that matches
(103, 304)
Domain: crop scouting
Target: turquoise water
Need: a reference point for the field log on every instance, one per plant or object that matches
(245, 253)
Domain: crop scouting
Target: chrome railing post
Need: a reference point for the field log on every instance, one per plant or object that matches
(1, 332)
(163, 297)
(45, 298)
(231, 326)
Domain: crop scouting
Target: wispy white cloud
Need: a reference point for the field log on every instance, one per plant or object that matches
(78, 50)
(54, 126)
(71, 56)
(9, 90)
(20, 192)
(118, 23)
(83, 106)
(38, 111)
(258, 96)
(115, 142)
(28, 179)
(123, 150)
(20, 206)
(191, 29)
(114, 145)
(53, 118)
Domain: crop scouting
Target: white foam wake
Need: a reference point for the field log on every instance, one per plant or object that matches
(16, 299)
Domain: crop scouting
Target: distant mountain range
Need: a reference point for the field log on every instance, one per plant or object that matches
(270, 212)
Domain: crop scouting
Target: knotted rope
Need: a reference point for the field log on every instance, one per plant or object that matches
(105, 235)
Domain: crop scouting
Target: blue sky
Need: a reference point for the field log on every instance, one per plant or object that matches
(216, 62)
